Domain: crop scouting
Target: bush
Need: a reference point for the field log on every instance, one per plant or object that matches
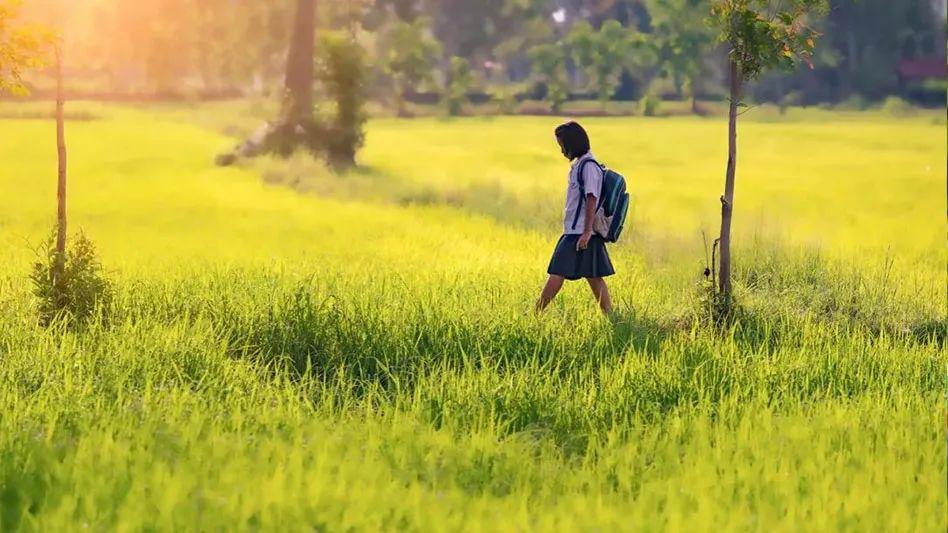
(70, 286)
(791, 99)
(896, 106)
(342, 71)
(856, 102)
(505, 97)
(650, 105)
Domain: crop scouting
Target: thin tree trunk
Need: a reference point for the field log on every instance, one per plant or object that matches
(400, 105)
(694, 95)
(727, 201)
(679, 85)
(296, 122)
(61, 152)
(299, 66)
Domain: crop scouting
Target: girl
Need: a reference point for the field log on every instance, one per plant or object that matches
(580, 253)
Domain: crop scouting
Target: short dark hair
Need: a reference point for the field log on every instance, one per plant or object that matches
(573, 138)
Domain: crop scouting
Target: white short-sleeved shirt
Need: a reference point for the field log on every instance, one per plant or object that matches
(592, 178)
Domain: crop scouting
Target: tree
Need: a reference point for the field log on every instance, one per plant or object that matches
(409, 57)
(68, 285)
(21, 48)
(61, 158)
(760, 35)
(466, 28)
(872, 36)
(297, 124)
(682, 39)
(549, 65)
(460, 81)
(602, 54)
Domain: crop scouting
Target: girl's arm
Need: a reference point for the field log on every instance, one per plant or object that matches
(583, 241)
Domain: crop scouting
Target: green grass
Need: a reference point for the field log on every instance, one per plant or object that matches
(362, 356)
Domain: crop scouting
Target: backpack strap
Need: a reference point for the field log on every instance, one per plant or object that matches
(582, 188)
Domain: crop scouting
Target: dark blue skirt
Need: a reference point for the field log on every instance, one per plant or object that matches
(593, 262)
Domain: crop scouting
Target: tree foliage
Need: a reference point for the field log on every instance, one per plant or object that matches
(408, 55)
(603, 54)
(22, 47)
(549, 64)
(763, 34)
(342, 70)
(459, 84)
(216, 47)
(681, 39)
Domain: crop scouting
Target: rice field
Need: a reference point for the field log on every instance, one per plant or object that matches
(293, 350)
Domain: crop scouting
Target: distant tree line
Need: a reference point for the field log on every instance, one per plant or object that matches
(449, 50)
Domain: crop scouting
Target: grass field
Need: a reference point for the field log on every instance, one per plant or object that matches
(294, 350)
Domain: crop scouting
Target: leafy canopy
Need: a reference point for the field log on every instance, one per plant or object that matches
(21, 48)
(549, 66)
(603, 53)
(460, 82)
(764, 34)
(681, 36)
(411, 52)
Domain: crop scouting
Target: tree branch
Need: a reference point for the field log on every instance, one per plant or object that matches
(748, 109)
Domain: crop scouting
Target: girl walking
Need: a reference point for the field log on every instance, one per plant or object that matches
(580, 253)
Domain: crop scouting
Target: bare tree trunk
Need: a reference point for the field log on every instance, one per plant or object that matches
(694, 95)
(679, 85)
(781, 95)
(400, 107)
(61, 151)
(299, 66)
(727, 201)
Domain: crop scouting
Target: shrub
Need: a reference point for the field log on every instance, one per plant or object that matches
(856, 102)
(70, 286)
(342, 71)
(505, 97)
(896, 106)
(649, 105)
(791, 99)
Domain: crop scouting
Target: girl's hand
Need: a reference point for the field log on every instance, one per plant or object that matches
(583, 241)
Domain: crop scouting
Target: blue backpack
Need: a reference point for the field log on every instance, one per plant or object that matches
(613, 205)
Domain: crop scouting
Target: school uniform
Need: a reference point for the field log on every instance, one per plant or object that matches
(567, 261)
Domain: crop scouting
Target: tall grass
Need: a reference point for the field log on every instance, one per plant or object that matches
(278, 406)
(276, 361)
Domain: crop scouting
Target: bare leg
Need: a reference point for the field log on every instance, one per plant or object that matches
(601, 292)
(550, 290)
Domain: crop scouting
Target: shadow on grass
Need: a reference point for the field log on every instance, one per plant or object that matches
(637, 332)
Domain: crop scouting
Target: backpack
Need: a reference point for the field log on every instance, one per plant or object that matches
(613, 205)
